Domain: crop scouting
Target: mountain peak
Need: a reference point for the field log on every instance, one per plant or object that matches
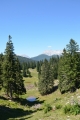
(53, 52)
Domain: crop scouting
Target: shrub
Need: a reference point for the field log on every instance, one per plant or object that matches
(72, 109)
(47, 108)
(67, 109)
(58, 106)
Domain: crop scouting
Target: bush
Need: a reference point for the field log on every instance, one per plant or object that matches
(47, 108)
(72, 109)
(58, 106)
(67, 109)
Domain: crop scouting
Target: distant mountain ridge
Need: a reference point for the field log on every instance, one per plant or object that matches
(42, 57)
(45, 55)
(37, 58)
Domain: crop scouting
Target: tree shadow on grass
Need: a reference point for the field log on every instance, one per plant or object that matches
(6, 113)
(25, 102)
(55, 88)
(3, 98)
(13, 113)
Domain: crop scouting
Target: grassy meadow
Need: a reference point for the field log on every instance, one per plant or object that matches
(21, 109)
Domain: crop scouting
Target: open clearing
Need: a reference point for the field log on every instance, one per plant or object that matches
(21, 109)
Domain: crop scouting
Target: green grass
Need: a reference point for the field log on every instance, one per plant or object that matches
(21, 109)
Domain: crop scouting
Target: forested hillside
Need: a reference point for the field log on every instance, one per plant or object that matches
(43, 57)
(23, 59)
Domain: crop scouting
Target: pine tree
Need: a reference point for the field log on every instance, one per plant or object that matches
(12, 80)
(76, 70)
(72, 47)
(63, 72)
(54, 64)
(28, 73)
(8, 68)
(38, 66)
(19, 88)
(1, 73)
(46, 79)
(24, 72)
(69, 68)
(32, 64)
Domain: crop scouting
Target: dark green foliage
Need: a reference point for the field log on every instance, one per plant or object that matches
(25, 68)
(46, 80)
(12, 79)
(72, 109)
(54, 64)
(23, 59)
(19, 88)
(64, 69)
(28, 65)
(77, 71)
(32, 64)
(1, 71)
(28, 73)
(47, 108)
(24, 72)
(9, 68)
(58, 106)
(69, 68)
(38, 66)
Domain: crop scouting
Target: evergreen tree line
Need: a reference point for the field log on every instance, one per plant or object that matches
(25, 68)
(65, 68)
(69, 68)
(11, 79)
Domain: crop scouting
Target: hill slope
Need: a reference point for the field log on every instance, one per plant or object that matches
(24, 59)
(42, 57)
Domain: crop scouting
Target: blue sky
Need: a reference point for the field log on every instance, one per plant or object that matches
(36, 24)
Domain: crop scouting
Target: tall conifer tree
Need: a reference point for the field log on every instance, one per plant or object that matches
(11, 71)
(19, 88)
(46, 79)
(69, 68)
(1, 69)
(8, 68)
